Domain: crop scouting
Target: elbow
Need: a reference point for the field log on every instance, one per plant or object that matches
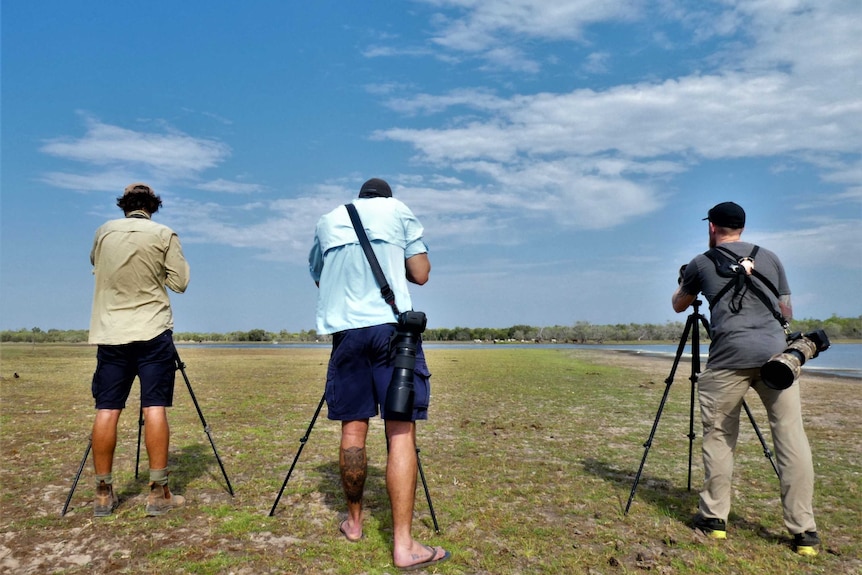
(419, 278)
(177, 285)
(680, 301)
(418, 269)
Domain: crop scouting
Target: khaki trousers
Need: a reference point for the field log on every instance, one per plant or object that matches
(721, 393)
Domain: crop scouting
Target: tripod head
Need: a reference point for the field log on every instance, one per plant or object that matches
(695, 315)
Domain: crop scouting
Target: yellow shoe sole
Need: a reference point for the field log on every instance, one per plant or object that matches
(806, 551)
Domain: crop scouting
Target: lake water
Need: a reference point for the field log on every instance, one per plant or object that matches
(842, 359)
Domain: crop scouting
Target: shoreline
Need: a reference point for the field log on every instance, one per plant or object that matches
(649, 363)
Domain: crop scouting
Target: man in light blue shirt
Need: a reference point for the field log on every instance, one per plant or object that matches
(362, 324)
(349, 295)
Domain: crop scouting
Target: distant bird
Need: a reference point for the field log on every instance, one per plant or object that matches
(15, 375)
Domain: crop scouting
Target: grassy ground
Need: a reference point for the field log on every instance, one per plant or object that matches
(530, 456)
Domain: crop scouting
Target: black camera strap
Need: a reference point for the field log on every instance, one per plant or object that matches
(742, 281)
(385, 291)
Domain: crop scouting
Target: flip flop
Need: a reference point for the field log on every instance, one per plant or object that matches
(429, 563)
(343, 532)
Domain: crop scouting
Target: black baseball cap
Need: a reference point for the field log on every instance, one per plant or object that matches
(727, 215)
(375, 188)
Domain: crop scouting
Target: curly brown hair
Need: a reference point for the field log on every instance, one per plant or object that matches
(139, 198)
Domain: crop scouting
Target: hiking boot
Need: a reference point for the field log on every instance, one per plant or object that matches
(710, 526)
(161, 500)
(105, 501)
(806, 544)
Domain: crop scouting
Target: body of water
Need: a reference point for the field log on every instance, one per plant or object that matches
(842, 359)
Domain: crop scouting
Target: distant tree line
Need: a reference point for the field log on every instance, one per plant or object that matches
(36, 335)
(837, 328)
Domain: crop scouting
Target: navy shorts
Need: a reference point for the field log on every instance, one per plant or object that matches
(153, 362)
(359, 372)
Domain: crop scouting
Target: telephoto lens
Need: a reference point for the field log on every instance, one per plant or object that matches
(400, 393)
(784, 368)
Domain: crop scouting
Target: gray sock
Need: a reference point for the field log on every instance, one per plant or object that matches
(107, 478)
(159, 476)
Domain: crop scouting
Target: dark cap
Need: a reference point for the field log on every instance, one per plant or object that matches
(375, 188)
(727, 215)
(138, 188)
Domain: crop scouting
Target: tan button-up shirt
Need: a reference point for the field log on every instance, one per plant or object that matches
(134, 259)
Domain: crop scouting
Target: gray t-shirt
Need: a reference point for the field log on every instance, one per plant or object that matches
(747, 337)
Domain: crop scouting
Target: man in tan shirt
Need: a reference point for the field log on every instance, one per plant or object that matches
(134, 260)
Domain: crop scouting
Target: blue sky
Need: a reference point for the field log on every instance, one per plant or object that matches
(560, 153)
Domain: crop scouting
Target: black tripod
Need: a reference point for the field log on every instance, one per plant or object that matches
(182, 367)
(692, 326)
(304, 439)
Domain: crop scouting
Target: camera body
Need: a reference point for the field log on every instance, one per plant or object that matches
(784, 368)
(400, 393)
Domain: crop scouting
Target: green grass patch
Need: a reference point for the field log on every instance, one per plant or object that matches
(529, 456)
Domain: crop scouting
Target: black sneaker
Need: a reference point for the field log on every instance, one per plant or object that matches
(807, 543)
(710, 526)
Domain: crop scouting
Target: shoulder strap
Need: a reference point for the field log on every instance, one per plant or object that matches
(743, 279)
(385, 291)
(754, 272)
(727, 269)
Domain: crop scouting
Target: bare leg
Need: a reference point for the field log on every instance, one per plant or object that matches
(105, 439)
(157, 436)
(354, 470)
(157, 432)
(401, 471)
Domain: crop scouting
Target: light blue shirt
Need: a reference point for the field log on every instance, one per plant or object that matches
(349, 296)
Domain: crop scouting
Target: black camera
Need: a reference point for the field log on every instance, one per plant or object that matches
(400, 394)
(782, 369)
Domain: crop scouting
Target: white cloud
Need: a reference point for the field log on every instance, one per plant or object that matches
(170, 154)
(227, 186)
(497, 30)
(114, 180)
(782, 90)
(836, 243)
(582, 158)
(278, 230)
(731, 115)
(492, 22)
(597, 63)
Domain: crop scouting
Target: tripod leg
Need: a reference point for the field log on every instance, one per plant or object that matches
(647, 446)
(303, 440)
(182, 368)
(77, 476)
(427, 493)
(140, 427)
(691, 434)
(695, 371)
(766, 450)
(668, 382)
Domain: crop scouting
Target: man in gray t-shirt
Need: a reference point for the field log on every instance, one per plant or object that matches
(746, 325)
(743, 330)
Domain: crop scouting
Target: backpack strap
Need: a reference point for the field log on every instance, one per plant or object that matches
(728, 268)
(754, 272)
(732, 266)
